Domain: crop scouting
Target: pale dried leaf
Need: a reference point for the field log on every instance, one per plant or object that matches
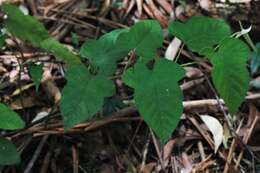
(172, 49)
(40, 116)
(215, 128)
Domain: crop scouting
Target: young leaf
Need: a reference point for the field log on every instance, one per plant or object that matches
(8, 153)
(158, 96)
(60, 51)
(104, 52)
(84, 95)
(10, 120)
(74, 39)
(24, 27)
(200, 32)
(230, 75)
(144, 37)
(36, 74)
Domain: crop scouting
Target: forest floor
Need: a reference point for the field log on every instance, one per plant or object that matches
(121, 141)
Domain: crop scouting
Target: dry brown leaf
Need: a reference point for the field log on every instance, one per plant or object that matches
(24, 102)
(50, 88)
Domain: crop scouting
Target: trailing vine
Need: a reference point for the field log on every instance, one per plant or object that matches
(157, 94)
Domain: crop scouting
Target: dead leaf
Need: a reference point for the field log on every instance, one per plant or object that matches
(24, 102)
(215, 128)
(167, 149)
(172, 49)
(50, 88)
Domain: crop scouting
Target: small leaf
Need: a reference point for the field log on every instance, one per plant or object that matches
(74, 39)
(104, 52)
(60, 51)
(84, 95)
(215, 128)
(23, 26)
(200, 32)
(10, 120)
(255, 61)
(36, 72)
(144, 37)
(230, 75)
(158, 96)
(8, 153)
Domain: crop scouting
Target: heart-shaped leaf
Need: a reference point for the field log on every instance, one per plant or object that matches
(230, 75)
(200, 32)
(158, 96)
(104, 52)
(144, 37)
(84, 95)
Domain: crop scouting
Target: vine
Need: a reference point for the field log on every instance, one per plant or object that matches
(157, 94)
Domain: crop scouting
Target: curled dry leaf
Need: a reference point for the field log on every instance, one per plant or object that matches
(215, 128)
(172, 49)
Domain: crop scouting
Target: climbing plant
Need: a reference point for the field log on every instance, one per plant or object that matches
(157, 94)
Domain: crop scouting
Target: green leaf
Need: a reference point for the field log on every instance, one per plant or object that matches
(84, 95)
(60, 51)
(74, 39)
(200, 32)
(8, 153)
(255, 61)
(36, 72)
(158, 96)
(24, 27)
(144, 37)
(104, 52)
(230, 75)
(10, 120)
